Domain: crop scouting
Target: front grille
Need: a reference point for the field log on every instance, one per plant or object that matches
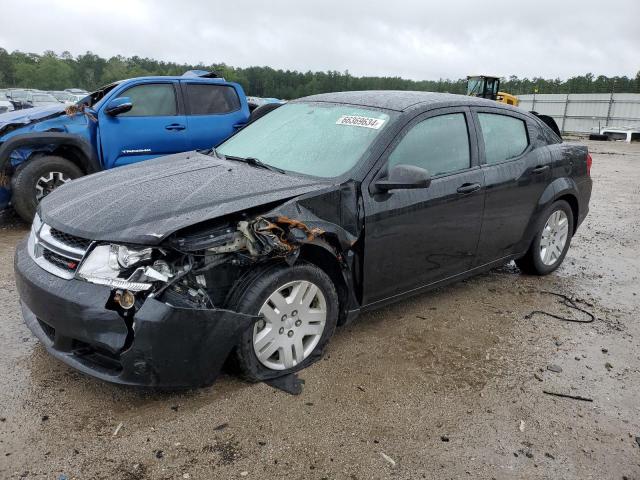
(57, 252)
(70, 240)
(60, 261)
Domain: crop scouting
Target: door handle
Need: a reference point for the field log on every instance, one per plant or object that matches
(175, 126)
(540, 169)
(467, 188)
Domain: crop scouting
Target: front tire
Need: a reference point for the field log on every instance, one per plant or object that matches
(552, 241)
(299, 309)
(37, 179)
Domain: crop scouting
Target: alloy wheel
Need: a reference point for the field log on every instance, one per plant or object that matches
(555, 235)
(292, 323)
(48, 183)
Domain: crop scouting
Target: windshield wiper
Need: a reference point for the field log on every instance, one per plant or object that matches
(212, 152)
(256, 162)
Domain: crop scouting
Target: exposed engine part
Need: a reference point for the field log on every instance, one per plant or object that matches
(153, 274)
(215, 259)
(181, 295)
(163, 267)
(261, 237)
(239, 241)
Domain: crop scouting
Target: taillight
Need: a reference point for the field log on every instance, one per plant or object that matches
(589, 162)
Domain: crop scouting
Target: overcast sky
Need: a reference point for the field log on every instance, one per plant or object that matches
(416, 39)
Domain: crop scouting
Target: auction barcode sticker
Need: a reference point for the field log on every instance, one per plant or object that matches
(358, 121)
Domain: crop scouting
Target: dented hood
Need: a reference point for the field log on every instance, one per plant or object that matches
(145, 202)
(30, 115)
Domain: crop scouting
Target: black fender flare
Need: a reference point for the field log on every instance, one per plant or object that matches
(560, 187)
(88, 161)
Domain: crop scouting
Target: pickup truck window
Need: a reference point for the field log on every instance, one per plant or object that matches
(203, 99)
(504, 137)
(438, 144)
(151, 100)
(322, 140)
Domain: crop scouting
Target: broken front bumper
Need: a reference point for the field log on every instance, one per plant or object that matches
(164, 346)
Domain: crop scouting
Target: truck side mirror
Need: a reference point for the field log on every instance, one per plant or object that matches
(118, 105)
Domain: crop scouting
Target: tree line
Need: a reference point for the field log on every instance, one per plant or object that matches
(52, 71)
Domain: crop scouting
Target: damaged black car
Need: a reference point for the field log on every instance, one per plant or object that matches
(160, 273)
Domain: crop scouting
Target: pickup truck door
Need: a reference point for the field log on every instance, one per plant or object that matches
(214, 111)
(155, 125)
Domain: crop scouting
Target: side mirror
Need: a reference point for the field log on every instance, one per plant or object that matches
(118, 106)
(404, 177)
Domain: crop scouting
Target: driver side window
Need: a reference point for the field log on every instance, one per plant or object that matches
(151, 100)
(439, 144)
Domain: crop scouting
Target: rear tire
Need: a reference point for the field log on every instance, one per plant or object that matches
(550, 245)
(296, 330)
(37, 179)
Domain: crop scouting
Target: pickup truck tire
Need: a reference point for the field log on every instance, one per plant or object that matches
(304, 328)
(37, 179)
(262, 110)
(554, 234)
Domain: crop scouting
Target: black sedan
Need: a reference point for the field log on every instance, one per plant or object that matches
(160, 272)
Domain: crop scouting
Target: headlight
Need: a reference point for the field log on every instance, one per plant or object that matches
(128, 257)
(106, 262)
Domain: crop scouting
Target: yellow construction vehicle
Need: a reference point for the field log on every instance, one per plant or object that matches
(486, 86)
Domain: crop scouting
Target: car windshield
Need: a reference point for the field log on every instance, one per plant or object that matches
(321, 140)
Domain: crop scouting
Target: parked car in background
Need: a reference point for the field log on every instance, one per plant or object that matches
(65, 97)
(77, 92)
(79, 96)
(125, 122)
(5, 103)
(40, 99)
(19, 98)
(331, 205)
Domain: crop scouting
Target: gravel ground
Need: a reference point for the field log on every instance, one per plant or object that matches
(447, 385)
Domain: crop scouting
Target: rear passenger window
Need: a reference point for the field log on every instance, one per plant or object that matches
(504, 137)
(151, 100)
(438, 144)
(203, 99)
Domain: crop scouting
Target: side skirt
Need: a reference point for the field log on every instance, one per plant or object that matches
(439, 283)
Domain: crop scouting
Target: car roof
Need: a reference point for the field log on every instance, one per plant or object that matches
(398, 100)
(174, 77)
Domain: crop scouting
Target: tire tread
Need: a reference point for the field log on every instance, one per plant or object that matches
(23, 182)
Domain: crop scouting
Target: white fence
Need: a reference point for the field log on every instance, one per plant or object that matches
(586, 112)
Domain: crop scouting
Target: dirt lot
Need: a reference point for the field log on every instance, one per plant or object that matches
(448, 385)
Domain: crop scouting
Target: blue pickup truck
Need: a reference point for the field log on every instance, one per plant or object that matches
(122, 123)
